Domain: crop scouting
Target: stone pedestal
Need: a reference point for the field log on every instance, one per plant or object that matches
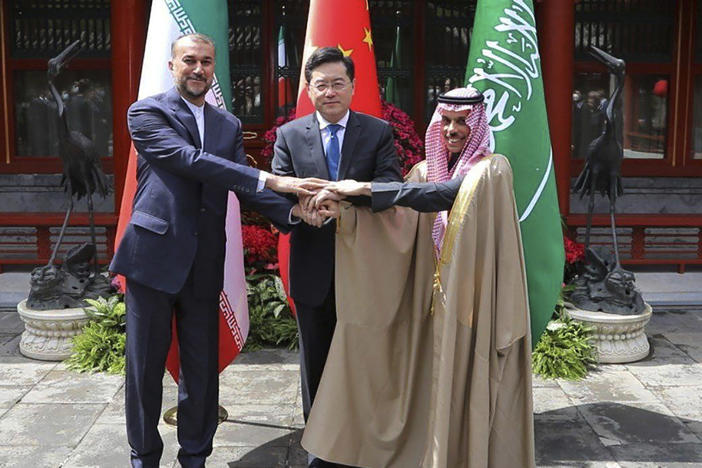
(47, 335)
(618, 338)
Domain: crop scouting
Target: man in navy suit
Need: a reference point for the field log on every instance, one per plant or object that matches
(332, 143)
(172, 253)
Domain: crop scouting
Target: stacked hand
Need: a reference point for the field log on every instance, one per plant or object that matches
(318, 198)
(325, 203)
(300, 187)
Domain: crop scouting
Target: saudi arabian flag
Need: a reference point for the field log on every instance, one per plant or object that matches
(168, 20)
(504, 64)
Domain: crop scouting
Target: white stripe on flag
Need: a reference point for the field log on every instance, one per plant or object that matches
(539, 191)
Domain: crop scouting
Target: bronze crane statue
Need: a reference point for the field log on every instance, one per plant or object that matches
(603, 285)
(602, 170)
(82, 172)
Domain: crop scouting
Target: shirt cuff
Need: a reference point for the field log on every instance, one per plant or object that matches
(262, 176)
(293, 219)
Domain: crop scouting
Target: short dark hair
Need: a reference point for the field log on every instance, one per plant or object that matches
(328, 55)
(195, 37)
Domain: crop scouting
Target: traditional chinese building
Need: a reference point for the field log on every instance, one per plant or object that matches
(421, 49)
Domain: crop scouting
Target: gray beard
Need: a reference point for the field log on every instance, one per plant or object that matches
(184, 91)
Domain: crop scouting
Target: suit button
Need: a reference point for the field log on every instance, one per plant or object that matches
(195, 233)
(202, 210)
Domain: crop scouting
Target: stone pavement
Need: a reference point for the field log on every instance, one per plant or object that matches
(644, 414)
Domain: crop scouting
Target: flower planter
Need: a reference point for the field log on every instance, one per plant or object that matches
(48, 333)
(618, 338)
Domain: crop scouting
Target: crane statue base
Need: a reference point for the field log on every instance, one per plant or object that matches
(604, 287)
(66, 287)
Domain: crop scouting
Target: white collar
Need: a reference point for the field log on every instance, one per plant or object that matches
(323, 123)
(195, 109)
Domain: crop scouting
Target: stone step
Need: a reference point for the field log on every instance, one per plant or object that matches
(14, 287)
(668, 290)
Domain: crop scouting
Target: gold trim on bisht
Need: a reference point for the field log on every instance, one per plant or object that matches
(455, 223)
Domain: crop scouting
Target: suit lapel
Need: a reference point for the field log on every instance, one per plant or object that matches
(314, 142)
(182, 113)
(351, 135)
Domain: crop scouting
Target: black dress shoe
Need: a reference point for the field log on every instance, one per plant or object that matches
(319, 463)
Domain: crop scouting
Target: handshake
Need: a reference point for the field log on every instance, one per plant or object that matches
(318, 199)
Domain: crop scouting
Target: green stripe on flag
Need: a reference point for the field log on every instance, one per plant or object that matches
(211, 18)
(504, 63)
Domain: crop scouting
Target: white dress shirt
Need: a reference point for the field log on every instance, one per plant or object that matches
(199, 113)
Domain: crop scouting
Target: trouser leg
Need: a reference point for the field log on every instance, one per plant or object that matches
(316, 328)
(148, 319)
(197, 322)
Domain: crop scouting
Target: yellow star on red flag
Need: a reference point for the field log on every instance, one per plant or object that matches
(344, 51)
(367, 39)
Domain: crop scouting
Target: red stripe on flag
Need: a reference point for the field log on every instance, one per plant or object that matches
(284, 266)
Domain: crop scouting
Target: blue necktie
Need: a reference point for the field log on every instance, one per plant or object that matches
(333, 152)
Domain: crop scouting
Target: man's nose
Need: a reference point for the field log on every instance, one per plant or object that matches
(330, 91)
(198, 67)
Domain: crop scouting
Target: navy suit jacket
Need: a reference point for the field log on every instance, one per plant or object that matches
(178, 216)
(368, 153)
(420, 196)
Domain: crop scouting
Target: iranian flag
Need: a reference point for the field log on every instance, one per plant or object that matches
(345, 25)
(504, 63)
(170, 19)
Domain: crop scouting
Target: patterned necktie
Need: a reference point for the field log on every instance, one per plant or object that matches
(333, 152)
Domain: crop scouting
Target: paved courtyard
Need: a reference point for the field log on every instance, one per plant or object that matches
(645, 414)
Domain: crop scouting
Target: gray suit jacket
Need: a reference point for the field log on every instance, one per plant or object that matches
(368, 153)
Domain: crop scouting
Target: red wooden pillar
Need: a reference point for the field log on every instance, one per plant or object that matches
(556, 29)
(128, 27)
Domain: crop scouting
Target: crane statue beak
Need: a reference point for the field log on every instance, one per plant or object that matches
(58, 63)
(614, 64)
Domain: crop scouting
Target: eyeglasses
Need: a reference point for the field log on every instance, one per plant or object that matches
(322, 86)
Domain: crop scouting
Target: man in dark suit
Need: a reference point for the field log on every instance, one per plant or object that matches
(332, 143)
(172, 252)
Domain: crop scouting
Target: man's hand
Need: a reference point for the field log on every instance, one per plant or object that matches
(335, 191)
(330, 209)
(322, 197)
(305, 211)
(349, 188)
(285, 184)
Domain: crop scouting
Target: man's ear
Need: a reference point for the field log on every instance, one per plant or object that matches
(353, 86)
(170, 65)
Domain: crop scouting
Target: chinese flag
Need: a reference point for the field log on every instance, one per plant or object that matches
(344, 24)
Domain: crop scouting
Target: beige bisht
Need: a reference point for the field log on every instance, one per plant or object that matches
(430, 361)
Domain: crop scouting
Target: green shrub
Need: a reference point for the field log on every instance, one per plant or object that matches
(101, 346)
(565, 349)
(270, 321)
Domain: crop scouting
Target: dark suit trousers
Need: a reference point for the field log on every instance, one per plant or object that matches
(316, 326)
(149, 316)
